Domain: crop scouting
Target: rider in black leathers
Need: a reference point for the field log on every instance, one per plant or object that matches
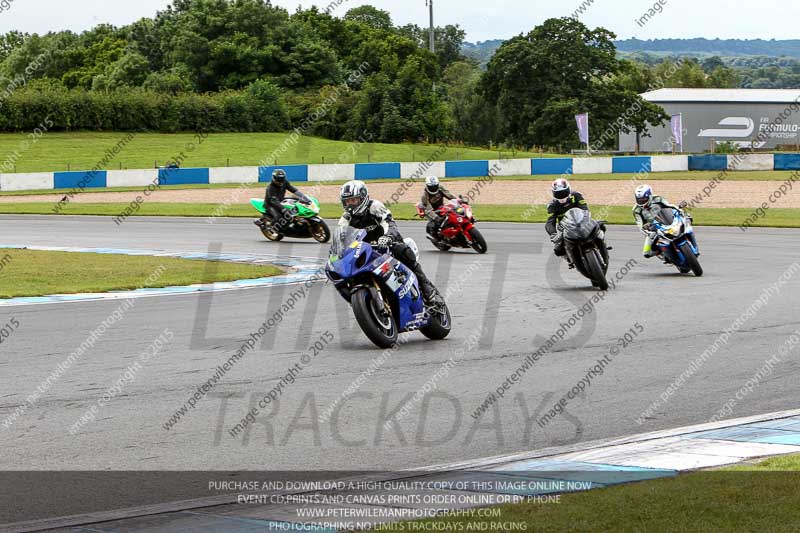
(564, 199)
(362, 213)
(275, 194)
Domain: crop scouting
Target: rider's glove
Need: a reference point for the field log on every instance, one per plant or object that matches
(463, 200)
(385, 242)
(555, 237)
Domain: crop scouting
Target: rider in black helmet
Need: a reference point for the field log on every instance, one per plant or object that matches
(564, 199)
(276, 193)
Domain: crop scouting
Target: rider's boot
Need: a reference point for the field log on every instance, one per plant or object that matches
(570, 264)
(429, 291)
(603, 237)
(648, 250)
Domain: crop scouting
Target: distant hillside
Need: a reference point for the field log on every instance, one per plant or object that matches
(651, 50)
(481, 51)
(718, 47)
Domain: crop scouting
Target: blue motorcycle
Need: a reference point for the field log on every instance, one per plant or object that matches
(384, 293)
(676, 240)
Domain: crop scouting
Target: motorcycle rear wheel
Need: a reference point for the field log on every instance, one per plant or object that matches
(380, 328)
(439, 326)
(271, 234)
(441, 246)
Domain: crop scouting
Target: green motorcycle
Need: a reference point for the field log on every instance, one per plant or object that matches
(305, 224)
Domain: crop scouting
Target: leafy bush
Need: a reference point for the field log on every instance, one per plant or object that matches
(258, 108)
(726, 147)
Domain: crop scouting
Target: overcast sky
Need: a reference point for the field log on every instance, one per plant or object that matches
(482, 19)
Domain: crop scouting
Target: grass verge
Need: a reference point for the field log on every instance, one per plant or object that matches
(761, 497)
(775, 217)
(39, 273)
(60, 151)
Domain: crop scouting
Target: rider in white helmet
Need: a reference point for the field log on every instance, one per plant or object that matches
(433, 196)
(362, 213)
(644, 213)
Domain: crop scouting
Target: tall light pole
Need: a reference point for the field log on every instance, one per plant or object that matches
(432, 37)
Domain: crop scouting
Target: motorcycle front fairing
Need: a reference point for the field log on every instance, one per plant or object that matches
(459, 221)
(673, 230)
(578, 227)
(354, 264)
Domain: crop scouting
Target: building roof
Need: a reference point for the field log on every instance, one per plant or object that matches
(773, 96)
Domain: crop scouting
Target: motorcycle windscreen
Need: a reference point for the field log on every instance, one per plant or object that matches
(665, 217)
(578, 225)
(343, 237)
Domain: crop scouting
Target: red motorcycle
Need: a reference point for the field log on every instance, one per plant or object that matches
(458, 228)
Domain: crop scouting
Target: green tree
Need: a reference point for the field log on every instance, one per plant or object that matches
(635, 76)
(171, 81)
(130, 70)
(723, 78)
(712, 63)
(10, 41)
(685, 73)
(448, 41)
(371, 16)
(460, 82)
(536, 83)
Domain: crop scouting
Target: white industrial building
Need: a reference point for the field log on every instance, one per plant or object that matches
(759, 118)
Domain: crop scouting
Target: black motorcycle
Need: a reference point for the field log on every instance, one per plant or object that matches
(584, 240)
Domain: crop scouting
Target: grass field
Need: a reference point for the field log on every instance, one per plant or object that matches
(83, 151)
(762, 497)
(39, 273)
(778, 218)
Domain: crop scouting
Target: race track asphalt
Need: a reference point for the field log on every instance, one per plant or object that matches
(504, 305)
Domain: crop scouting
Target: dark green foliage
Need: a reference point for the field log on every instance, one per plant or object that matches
(536, 83)
(232, 65)
(258, 108)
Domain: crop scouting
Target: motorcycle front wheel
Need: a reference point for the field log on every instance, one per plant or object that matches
(691, 259)
(375, 319)
(321, 232)
(478, 242)
(595, 269)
